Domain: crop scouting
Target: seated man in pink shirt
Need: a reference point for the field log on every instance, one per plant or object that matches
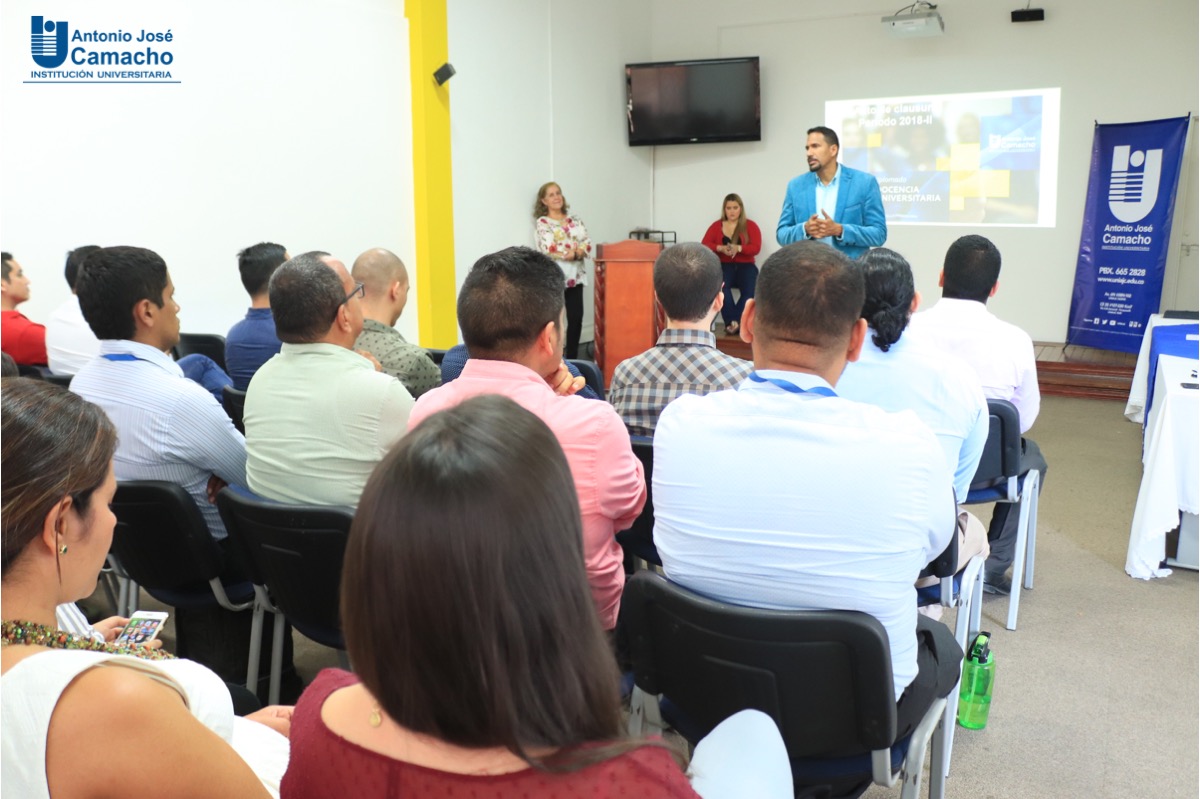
(511, 313)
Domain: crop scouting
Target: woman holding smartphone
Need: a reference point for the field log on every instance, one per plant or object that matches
(563, 236)
(736, 240)
(76, 712)
(480, 665)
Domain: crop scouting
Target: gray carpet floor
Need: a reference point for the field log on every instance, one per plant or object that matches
(1096, 690)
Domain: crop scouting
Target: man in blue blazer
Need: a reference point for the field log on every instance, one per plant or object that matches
(836, 204)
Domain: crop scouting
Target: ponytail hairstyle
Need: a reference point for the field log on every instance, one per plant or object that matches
(890, 292)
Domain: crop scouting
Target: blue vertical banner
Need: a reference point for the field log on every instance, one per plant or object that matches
(1126, 228)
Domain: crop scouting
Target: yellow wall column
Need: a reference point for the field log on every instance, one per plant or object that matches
(433, 195)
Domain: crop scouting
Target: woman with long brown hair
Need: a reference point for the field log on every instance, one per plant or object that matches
(84, 718)
(735, 239)
(480, 664)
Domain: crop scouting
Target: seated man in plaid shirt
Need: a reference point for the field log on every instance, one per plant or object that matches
(687, 282)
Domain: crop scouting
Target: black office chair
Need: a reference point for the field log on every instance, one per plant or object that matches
(235, 405)
(294, 555)
(435, 355)
(999, 479)
(638, 540)
(591, 374)
(825, 677)
(59, 380)
(208, 344)
(36, 372)
(162, 543)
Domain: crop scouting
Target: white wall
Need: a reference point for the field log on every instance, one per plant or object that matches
(292, 124)
(539, 96)
(1114, 64)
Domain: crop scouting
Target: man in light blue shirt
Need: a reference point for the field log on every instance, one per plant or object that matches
(833, 204)
(169, 428)
(835, 504)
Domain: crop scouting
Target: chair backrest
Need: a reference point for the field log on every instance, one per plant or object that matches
(26, 370)
(59, 380)
(825, 677)
(296, 551)
(638, 540)
(1002, 453)
(162, 541)
(208, 344)
(591, 373)
(235, 405)
(435, 355)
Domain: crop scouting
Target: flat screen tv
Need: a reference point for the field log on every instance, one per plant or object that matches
(689, 102)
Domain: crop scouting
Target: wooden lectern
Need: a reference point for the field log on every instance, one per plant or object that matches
(627, 320)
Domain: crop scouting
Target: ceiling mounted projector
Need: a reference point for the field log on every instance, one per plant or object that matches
(915, 24)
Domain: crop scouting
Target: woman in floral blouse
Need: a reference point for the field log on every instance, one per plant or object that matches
(563, 237)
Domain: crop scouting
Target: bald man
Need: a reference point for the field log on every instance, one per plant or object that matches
(385, 292)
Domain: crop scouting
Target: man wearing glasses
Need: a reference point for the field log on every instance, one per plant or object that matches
(319, 415)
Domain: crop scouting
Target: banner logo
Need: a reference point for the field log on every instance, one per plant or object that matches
(1133, 184)
(48, 42)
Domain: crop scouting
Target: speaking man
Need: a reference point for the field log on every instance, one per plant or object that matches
(832, 204)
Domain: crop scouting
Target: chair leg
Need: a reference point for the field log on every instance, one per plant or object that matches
(256, 623)
(918, 743)
(645, 718)
(276, 659)
(1029, 488)
(1035, 488)
(939, 757)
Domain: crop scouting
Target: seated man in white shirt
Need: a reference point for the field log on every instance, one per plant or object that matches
(319, 415)
(1001, 355)
(70, 343)
(835, 504)
(898, 371)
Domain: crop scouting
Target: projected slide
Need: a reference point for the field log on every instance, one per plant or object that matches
(971, 159)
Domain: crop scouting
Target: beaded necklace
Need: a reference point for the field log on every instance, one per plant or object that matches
(32, 634)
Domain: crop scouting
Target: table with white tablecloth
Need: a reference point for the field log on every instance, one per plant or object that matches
(1135, 408)
(1170, 470)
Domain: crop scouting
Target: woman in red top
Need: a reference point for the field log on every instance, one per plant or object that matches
(481, 668)
(736, 240)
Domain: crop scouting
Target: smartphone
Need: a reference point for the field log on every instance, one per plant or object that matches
(143, 626)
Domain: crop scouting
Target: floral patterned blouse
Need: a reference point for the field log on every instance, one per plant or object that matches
(553, 238)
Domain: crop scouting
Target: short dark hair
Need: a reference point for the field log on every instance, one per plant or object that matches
(53, 444)
(257, 263)
(113, 281)
(808, 293)
(506, 300)
(686, 279)
(890, 292)
(6, 259)
(8, 367)
(305, 295)
(830, 136)
(971, 269)
(75, 259)
(465, 602)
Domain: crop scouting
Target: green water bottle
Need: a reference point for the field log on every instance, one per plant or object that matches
(975, 693)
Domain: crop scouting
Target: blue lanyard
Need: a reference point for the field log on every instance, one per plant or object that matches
(792, 387)
(121, 356)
